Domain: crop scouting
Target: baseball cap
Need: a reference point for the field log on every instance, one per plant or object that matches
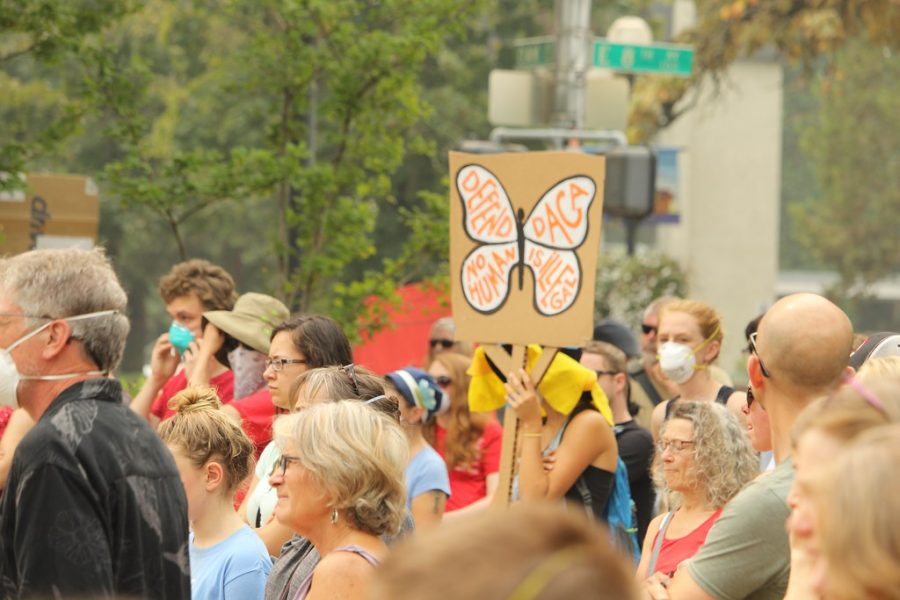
(877, 345)
(617, 333)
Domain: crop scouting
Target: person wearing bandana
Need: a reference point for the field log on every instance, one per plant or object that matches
(240, 339)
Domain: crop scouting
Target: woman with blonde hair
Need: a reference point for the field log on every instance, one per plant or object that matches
(469, 442)
(301, 343)
(860, 537)
(821, 433)
(214, 456)
(690, 337)
(340, 485)
(298, 556)
(703, 459)
(879, 368)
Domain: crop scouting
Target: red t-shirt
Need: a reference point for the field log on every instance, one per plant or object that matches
(223, 384)
(5, 414)
(673, 551)
(257, 413)
(467, 486)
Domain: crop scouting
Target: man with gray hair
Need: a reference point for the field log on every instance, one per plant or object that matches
(94, 506)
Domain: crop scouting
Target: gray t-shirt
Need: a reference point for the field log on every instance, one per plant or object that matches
(747, 554)
(299, 557)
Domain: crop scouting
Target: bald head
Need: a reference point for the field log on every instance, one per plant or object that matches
(806, 340)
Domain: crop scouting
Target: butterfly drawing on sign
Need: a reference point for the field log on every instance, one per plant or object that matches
(545, 242)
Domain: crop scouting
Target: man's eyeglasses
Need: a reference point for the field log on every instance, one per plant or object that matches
(277, 364)
(283, 462)
(675, 445)
(648, 329)
(445, 344)
(753, 349)
(443, 380)
(602, 373)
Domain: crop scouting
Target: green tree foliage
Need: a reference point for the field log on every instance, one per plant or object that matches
(851, 220)
(37, 36)
(627, 284)
(263, 135)
(802, 30)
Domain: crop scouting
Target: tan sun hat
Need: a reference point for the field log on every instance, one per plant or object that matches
(251, 321)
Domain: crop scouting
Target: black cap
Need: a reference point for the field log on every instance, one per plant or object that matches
(617, 333)
(877, 345)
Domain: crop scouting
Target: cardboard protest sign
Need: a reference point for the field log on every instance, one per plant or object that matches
(524, 239)
(54, 211)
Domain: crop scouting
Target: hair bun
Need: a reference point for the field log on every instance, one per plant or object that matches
(195, 399)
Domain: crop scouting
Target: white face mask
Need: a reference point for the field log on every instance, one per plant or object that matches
(9, 373)
(678, 361)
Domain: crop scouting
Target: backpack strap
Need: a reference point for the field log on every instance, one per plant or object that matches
(658, 543)
(644, 380)
(724, 394)
(669, 406)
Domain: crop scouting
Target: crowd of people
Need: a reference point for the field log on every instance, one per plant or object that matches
(258, 461)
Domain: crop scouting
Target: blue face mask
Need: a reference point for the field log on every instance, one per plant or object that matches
(180, 336)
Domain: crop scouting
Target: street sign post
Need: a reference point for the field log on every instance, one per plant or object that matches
(535, 52)
(663, 59)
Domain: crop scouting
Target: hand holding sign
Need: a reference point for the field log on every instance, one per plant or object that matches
(497, 247)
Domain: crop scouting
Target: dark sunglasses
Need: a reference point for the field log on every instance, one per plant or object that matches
(648, 329)
(445, 344)
(443, 380)
(753, 349)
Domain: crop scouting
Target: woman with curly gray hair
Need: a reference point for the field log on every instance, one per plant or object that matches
(703, 459)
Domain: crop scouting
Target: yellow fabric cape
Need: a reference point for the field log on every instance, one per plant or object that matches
(561, 387)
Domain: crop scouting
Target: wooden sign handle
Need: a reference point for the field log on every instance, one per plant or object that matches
(509, 451)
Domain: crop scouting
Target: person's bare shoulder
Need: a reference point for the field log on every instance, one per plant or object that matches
(341, 576)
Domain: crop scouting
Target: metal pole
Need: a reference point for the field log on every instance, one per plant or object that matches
(557, 135)
(573, 42)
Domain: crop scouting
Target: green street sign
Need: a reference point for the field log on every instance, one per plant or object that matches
(666, 59)
(534, 52)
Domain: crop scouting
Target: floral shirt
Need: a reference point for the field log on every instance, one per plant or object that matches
(94, 505)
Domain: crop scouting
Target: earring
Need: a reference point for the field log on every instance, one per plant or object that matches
(334, 516)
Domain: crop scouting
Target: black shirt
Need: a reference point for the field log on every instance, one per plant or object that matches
(93, 506)
(636, 449)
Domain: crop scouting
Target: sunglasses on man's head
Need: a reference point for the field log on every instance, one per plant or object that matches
(648, 329)
(350, 370)
(445, 344)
